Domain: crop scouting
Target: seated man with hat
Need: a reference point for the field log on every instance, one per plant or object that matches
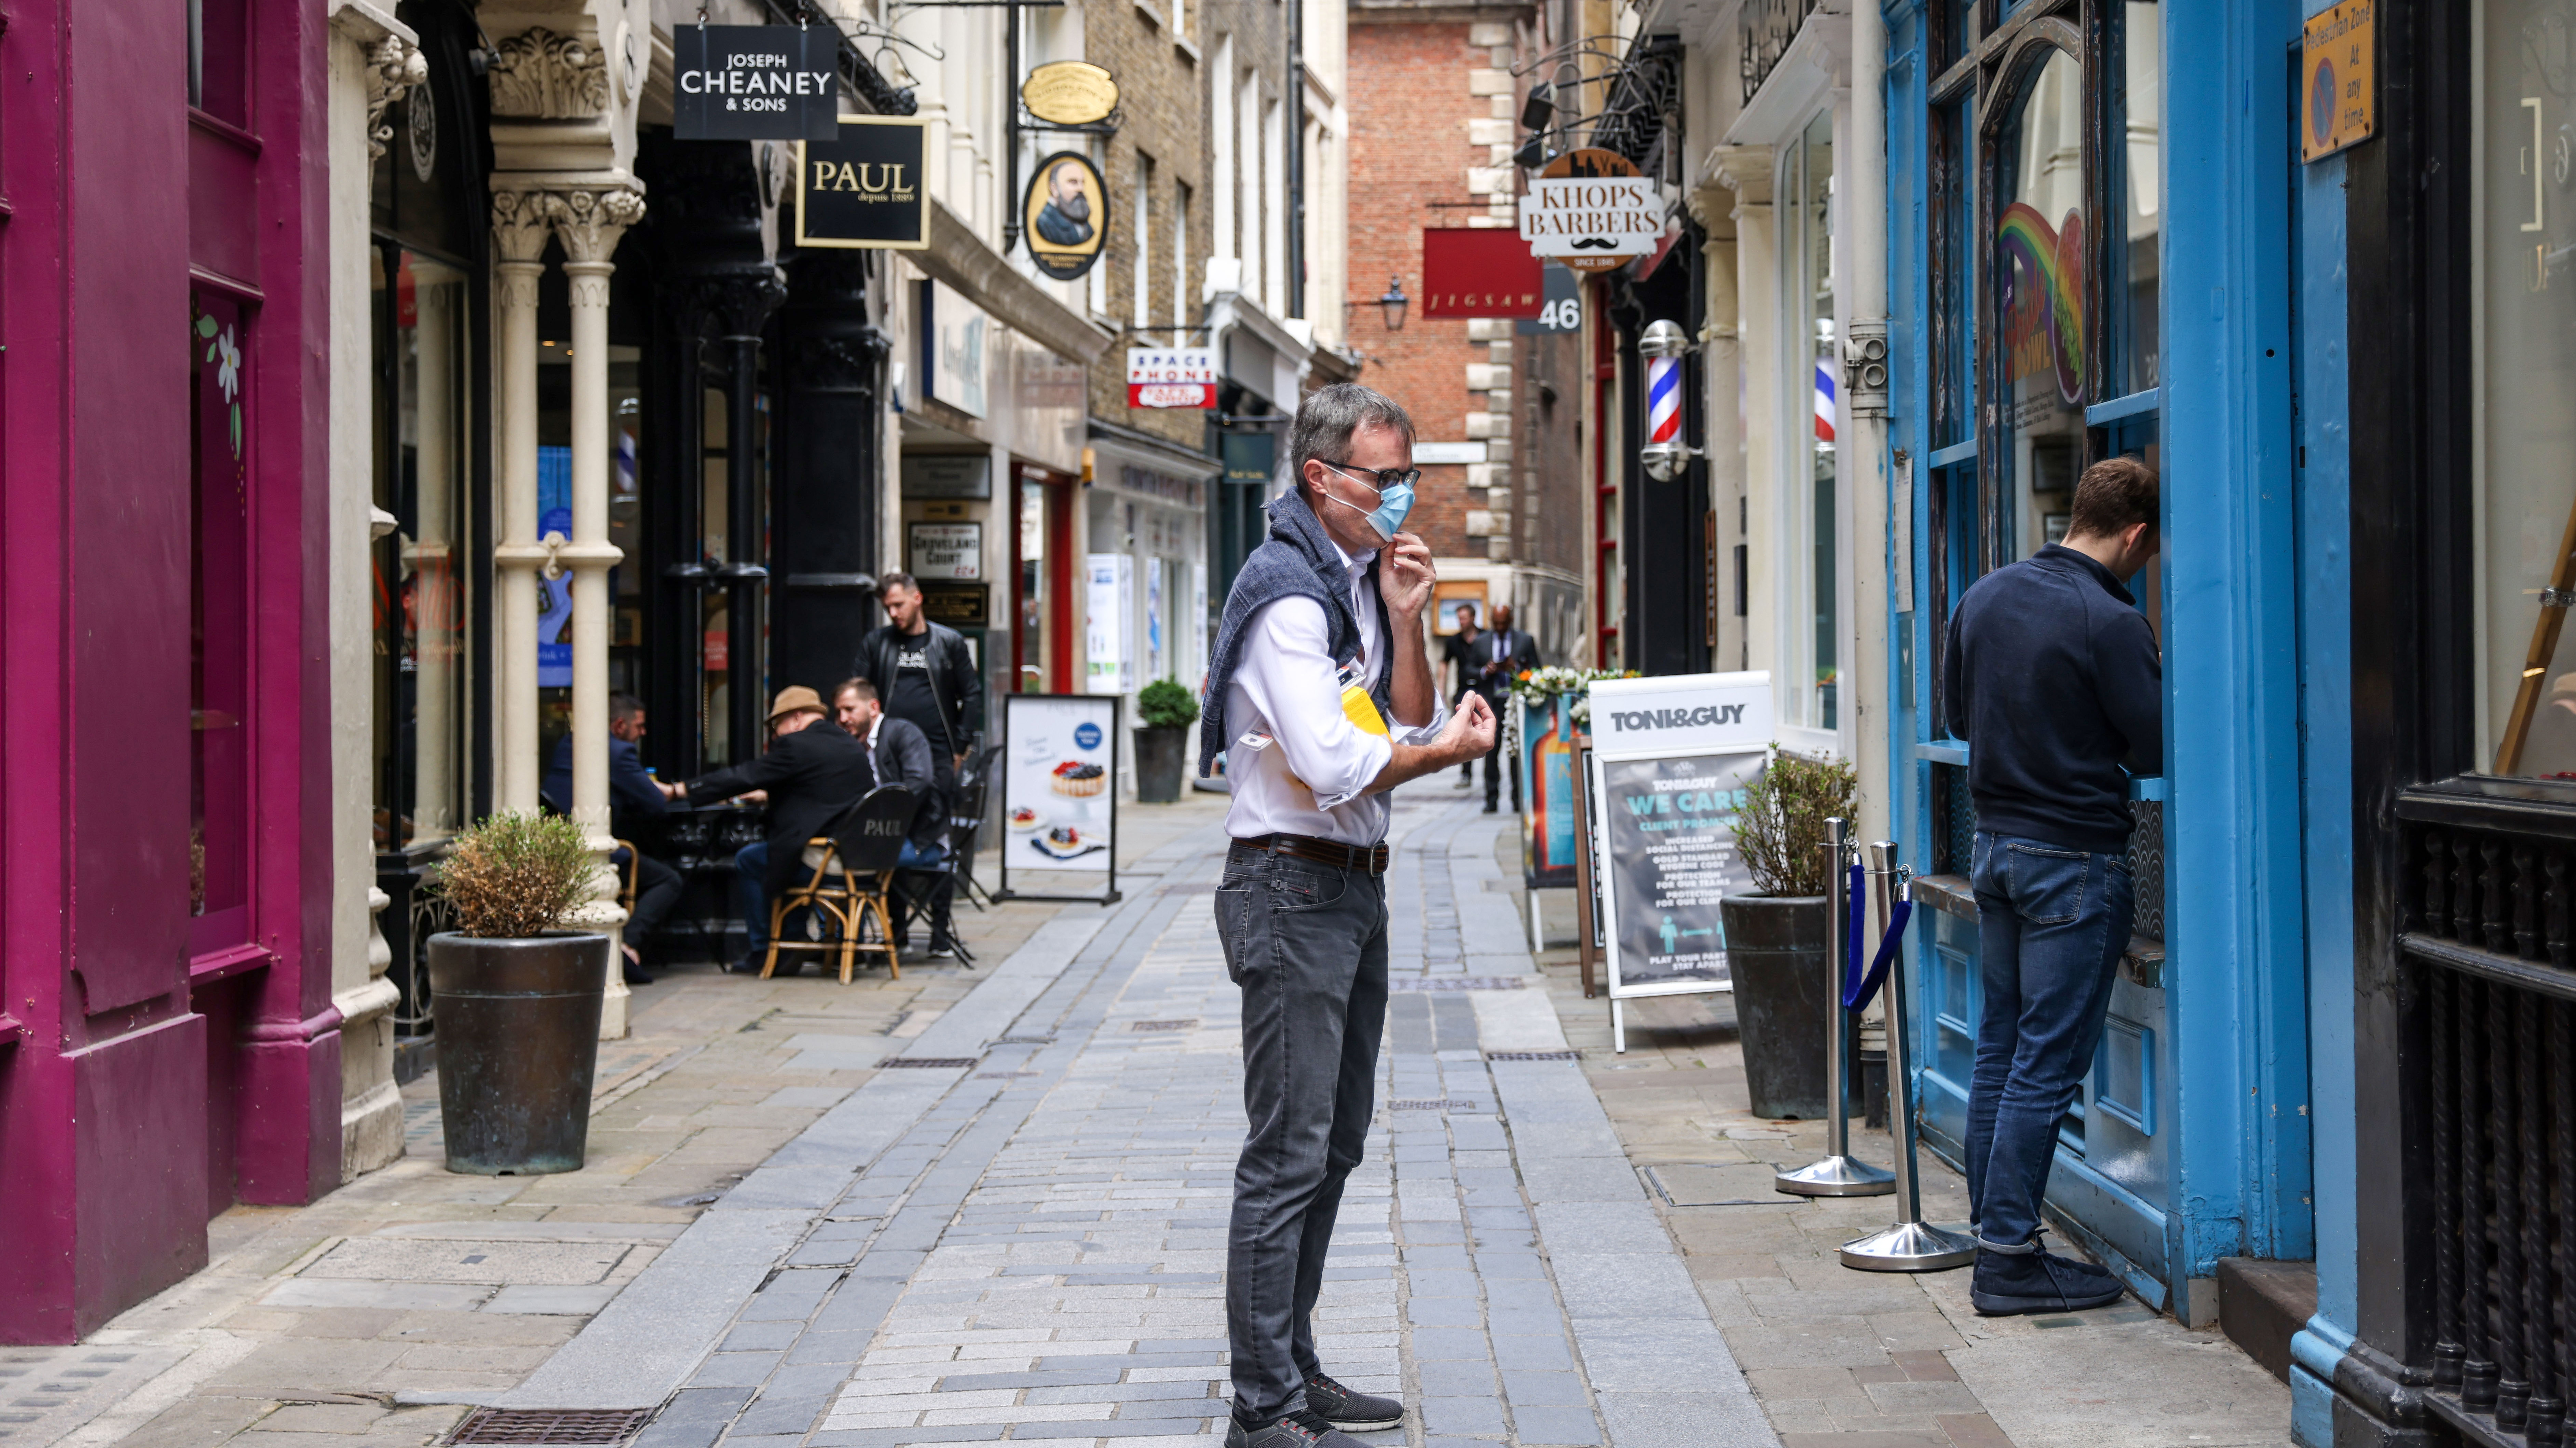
(811, 772)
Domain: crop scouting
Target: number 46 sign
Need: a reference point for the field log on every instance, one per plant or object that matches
(1563, 309)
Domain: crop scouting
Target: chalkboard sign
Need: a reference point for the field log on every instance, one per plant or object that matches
(1671, 759)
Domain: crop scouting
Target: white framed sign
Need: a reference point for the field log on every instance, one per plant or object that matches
(1592, 216)
(952, 551)
(1671, 758)
(1060, 797)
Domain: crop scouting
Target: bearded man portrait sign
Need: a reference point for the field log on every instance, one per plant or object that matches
(1065, 215)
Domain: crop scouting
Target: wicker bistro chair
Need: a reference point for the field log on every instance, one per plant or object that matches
(852, 867)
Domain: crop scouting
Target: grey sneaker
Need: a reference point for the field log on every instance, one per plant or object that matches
(1294, 1430)
(1352, 1412)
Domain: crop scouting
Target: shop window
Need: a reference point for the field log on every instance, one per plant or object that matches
(2523, 234)
(219, 59)
(1809, 185)
(2134, 87)
(1953, 313)
(219, 628)
(419, 589)
(2038, 265)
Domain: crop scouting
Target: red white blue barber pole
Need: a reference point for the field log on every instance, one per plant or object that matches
(1663, 345)
(1824, 400)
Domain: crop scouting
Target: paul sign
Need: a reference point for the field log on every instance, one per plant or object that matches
(863, 188)
(753, 83)
(1591, 210)
(1171, 377)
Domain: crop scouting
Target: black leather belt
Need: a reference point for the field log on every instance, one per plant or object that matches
(1371, 858)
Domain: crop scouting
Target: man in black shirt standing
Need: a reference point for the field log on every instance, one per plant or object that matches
(2053, 678)
(926, 676)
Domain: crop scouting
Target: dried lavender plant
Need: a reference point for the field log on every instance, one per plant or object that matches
(515, 875)
(1781, 828)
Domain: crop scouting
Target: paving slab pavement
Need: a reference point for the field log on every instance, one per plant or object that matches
(781, 1243)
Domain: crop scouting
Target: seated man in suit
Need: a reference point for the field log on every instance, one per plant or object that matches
(901, 753)
(810, 773)
(635, 799)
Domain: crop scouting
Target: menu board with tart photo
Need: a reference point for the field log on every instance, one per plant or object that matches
(1059, 772)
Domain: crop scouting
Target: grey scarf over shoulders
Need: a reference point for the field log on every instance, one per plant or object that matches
(1298, 561)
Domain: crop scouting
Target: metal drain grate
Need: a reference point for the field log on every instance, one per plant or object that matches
(1188, 1025)
(1533, 1055)
(1024, 1040)
(1457, 982)
(927, 1063)
(570, 1426)
(1433, 1105)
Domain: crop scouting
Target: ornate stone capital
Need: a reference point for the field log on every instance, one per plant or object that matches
(1744, 170)
(394, 66)
(591, 221)
(734, 302)
(521, 222)
(538, 74)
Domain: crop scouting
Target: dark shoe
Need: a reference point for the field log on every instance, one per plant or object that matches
(942, 949)
(637, 977)
(1352, 1412)
(1489, 807)
(1294, 1430)
(2007, 1283)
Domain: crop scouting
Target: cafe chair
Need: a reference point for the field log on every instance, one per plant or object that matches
(966, 822)
(851, 867)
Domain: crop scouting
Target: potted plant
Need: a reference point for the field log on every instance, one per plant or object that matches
(1165, 712)
(515, 1000)
(1777, 939)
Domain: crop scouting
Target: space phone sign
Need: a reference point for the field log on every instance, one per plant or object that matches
(1171, 377)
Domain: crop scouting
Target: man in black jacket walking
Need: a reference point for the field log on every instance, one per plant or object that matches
(926, 677)
(810, 773)
(2054, 680)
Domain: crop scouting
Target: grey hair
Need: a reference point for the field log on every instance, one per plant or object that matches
(1329, 417)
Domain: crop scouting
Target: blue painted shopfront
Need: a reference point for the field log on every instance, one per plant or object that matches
(2101, 243)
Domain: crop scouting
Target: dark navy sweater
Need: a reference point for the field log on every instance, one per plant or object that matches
(2053, 680)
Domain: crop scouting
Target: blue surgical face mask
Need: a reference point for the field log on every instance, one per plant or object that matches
(1393, 504)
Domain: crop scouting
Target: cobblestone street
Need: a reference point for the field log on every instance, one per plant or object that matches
(986, 1206)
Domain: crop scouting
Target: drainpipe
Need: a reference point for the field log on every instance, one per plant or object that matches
(1871, 691)
(1295, 269)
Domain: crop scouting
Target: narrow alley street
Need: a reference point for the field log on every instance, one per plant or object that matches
(991, 1206)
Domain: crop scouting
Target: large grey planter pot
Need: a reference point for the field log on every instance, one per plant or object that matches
(518, 1039)
(1775, 949)
(1159, 752)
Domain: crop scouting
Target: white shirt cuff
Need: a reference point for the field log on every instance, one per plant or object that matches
(1428, 732)
(1373, 753)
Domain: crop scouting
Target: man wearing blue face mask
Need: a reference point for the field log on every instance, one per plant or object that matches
(1321, 698)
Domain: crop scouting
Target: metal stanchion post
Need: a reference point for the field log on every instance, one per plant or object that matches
(1912, 1245)
(1838, 1174)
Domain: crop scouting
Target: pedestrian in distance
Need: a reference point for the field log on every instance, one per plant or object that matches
(1322, 700)
(2053, 679)
(635, 801)
(810, 772)
(1501, 653)
(925, 675)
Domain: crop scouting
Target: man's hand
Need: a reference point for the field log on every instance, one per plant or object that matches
(1470, 732)
(1405, 577)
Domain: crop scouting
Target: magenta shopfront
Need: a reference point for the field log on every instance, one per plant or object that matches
(167, 1040)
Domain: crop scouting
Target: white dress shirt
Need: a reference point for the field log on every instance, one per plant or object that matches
(1311, 777)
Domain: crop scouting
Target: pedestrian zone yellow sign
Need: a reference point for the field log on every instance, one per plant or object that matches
(2341, 103)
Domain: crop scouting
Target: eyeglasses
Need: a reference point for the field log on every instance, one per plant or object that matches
(1381, 478)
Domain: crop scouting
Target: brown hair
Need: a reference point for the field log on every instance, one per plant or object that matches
(895, 580)
(2113, 496)
(865, 690)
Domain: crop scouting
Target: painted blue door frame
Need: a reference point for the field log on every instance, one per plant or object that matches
(2229, 1110)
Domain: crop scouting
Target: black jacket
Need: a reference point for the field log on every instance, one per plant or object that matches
(633, 797)
(902, 756)
(811, 775)
(1470, 656)
(2053, 680)
(953, 680)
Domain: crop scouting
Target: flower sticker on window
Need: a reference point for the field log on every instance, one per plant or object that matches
(223, 352)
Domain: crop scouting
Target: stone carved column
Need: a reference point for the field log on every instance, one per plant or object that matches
(521, 223)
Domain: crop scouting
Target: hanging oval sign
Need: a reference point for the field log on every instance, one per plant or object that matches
(1069, 93)
(1065, 215)
(1590, 228)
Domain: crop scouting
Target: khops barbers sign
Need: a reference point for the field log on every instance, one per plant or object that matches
(1592, 210)
(754, 83)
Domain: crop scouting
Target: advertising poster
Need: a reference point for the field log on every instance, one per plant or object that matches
(554, 595)
(1547, 783)
(1059, 796)
(1669, 825)
(1109, 620)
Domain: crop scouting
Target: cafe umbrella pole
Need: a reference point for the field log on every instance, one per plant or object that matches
(1839, 1174)
(1912, 1245)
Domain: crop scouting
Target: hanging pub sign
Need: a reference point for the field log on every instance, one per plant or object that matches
(1171, 377)
(754, 83)
(863, 188)
(1065, 215)
(1479, 272)
(1070, 93)
(1591, 210)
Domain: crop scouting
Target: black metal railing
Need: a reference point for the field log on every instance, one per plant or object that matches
(1954, 834)
(2487, 915)
(1769, 26)
(2147, 869)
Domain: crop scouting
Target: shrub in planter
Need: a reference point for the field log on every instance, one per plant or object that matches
(1165, 711)
(516, 1000)
(1777, 940)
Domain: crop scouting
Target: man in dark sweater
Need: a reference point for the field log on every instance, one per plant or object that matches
(2053, 679)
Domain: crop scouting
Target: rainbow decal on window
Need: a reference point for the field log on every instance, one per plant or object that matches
(2041, 271)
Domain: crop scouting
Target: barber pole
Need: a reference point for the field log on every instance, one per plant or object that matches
(1663, 399)
(1824, 402)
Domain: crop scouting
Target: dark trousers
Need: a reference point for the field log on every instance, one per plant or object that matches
(2051, 925)
(751, 893)
(657, 889)
(1307, 944)
(1496, 766)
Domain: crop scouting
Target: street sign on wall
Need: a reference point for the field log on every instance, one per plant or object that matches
(754, 83)
(1562, 308)
(946, 550)
(1171, 377)
(2340, 104)
(863, 188)
(1590, 209)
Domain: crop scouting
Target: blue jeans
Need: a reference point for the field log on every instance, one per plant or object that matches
(2051, 925)
(751, 893)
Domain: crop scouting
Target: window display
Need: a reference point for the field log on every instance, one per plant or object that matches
(2040, 304)
(420, 593)
(1807, 182)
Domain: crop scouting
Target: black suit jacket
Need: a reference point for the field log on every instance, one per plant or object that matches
(1519, 649)
(811, 775)
(902, 756)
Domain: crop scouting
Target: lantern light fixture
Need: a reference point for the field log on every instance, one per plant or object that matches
(1393, 303)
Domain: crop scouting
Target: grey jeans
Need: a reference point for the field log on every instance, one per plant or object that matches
(1307, 943)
